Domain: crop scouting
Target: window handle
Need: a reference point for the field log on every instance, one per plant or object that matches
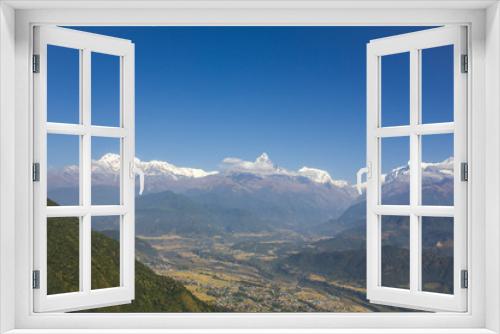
(135, 170)
(359, 177)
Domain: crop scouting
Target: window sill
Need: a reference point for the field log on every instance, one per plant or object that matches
(254, 331)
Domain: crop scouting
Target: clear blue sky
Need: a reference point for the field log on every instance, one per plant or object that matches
(297, 93)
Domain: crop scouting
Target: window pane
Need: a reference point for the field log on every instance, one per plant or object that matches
(63, 176)
(437, 84)
(395, 170)
(437, 254)
(63, 84)
(106, 167)
(63, 255)
(105, 252)
(395, 251)
(437, 169)
(105, 89)
(395, 90)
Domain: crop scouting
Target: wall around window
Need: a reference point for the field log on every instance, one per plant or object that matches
(492, 165)
(7, 159)
(480, 173)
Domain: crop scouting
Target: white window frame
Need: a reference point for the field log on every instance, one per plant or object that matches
(16, 20)
(413, 44)
(85, 43)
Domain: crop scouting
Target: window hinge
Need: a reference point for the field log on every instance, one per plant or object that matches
(464, 279)
(465, 63)
(36, 279)
(464, 171)
(36, 172)
(36, 63)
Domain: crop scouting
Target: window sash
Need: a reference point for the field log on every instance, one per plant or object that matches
(414, 297)
(86, 43)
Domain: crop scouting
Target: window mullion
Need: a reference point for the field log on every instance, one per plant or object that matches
(127, 121)
(415, 158)
(81, 176)
(86, 174)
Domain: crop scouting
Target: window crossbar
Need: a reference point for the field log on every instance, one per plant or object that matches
(419, 129)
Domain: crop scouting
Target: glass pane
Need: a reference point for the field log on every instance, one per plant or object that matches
(395, 251)
(437, 254)
(105, 89)
(63, 255)
(437, 169)
(437, 84)
(395, 89)
(105, 252)
(395, 178)
(63, 176)
(63, 84)
(106, 167)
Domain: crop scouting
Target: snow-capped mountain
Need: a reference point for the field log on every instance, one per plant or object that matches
(162, 175)
(106, 169)
(110, 164)
(439, 170)
(431, 171)
(437, 184)
(263, 166)
(157, 167)
(437, 189)
(271, 192)
(321, 176)
(274, 195)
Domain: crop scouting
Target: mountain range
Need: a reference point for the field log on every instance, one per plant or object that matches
(259, 188)
(243, 195)
(106, 169)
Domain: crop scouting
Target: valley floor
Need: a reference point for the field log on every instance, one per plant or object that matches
(242, 274)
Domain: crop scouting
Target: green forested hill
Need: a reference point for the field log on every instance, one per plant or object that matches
(153, 293)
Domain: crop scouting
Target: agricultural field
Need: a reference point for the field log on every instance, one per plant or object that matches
(245, 273)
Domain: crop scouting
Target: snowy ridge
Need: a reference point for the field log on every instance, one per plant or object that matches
(106, 169)
(261, 166)
(438, 169)
(321, 176)
(264, 166)
(157, 167)
(110, 163)
(432, 172)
